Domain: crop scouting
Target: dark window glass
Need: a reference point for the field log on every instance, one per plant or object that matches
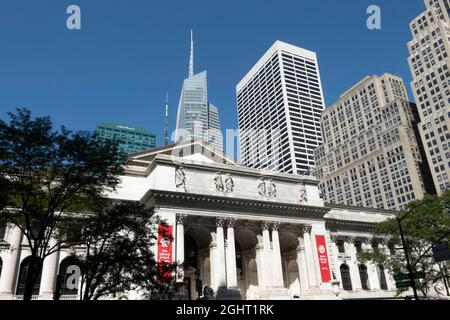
(346, 280)
(64, 275)
(24, 266)
(364, 277)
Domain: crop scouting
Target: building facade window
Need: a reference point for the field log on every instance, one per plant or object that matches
(2, 233)
(364, 277)
(341, 246)
(64, 275)
(382, 277)
(24, 266)
(346, 280)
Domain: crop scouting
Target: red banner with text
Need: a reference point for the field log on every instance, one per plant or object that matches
(164, 258)
(323, 258)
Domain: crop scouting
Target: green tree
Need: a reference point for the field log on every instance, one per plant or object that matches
(44, 176)
(117, 239)
(426, 222)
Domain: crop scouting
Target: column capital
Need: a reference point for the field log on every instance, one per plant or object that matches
(350, 240)
(181, 218)
(276, 226)
(231, 222)
(221, 222)
(334, 236)
(265, 225)
(306, 229)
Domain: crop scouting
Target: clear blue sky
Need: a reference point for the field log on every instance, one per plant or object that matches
(130, 52)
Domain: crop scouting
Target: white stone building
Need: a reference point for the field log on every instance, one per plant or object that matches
(268, 235)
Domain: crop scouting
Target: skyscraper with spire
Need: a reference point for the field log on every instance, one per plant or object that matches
(197, 118)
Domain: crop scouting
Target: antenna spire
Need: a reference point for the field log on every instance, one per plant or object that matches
(166, 122)
(191, 60)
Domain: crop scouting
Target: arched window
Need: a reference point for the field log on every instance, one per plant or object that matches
(24, 266)
(364, 277)
(382, 277)
(346, 280)
(64, 275)
(2, 232)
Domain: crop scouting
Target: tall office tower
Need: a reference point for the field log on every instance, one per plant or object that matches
(130, 139)
(279, 105)
(197, 118)
(371, 156)
(429, 62)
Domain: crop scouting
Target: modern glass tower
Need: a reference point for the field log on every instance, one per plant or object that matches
(197, 118)
(131, 139)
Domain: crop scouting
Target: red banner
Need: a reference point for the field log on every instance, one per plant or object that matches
(164, 258)
(323, 258)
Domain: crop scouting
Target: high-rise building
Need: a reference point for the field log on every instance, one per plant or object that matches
(197, 118)
(130, 139)
(279, 105)
(371, 156)
(429, 62)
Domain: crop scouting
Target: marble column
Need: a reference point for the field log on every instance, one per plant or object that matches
(335, 253)
(353, 265)
(302, 265)
(263, 257)
(390, 282)
(11, 263)
(372, 272)
(180, 247)
(267, 256)
(312, 279)
(212, 261)
(231, 255)
(276, 254)
(220, 269)
(49, 273)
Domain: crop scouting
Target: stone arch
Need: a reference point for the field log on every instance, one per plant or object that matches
(288, 246)
(246, 242)
(197, 263)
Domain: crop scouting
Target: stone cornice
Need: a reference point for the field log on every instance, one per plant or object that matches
(336, 224)
(214, 167)
(255, 207)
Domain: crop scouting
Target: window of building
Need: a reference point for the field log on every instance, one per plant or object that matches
(2, 232)
(1, 267)
(341, 246)
(64, 275)
(24, 266)
(382, 277)
(364, 277)
(346, 280)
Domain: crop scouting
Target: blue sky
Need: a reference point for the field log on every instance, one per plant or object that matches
(130, 52)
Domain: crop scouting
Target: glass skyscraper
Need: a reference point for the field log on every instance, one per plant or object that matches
(130, 139)
(197, 118)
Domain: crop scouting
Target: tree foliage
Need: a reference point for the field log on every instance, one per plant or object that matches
(118, 254)
(425, 223)
(44, 176)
